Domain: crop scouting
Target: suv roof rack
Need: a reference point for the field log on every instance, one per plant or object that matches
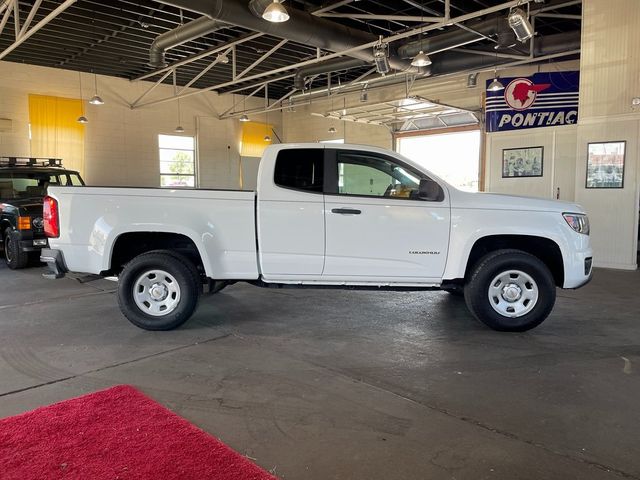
(30, 162)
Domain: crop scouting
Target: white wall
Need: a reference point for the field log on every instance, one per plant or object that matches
(610, 77)
(559, 162)
(121, 144)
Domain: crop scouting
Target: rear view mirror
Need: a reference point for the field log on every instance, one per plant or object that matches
(430, 191)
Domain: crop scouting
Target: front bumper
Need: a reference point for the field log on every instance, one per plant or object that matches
(55, 261)
(579, 270)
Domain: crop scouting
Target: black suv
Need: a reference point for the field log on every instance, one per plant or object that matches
(23, 185)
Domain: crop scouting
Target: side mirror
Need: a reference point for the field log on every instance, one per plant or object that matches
(430, 191)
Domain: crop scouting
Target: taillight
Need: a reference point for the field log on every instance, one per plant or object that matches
(51, 218)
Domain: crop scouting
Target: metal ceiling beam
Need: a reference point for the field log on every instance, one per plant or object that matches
(333, 6)
(203, 72)
(564, 16)
(370, 16)
(32, 13)
(24, 37)
(260, 60)
(7, 14)
(199, 56)
(389, 39)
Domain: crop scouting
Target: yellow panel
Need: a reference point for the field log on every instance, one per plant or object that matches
(253, 142)
(55, 131)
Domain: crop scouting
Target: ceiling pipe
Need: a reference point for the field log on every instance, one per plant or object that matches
(182, 34)
(302, 27)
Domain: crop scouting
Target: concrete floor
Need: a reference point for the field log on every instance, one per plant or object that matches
(353, 385)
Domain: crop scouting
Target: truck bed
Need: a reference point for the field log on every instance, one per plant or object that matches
(222, 221)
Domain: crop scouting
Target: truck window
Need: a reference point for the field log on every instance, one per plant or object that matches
(300, 169)
(363, 174)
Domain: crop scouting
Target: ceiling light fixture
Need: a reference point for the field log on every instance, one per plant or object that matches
(421, 60)
(381, 58)
(496, 85)
(275, 13)
(332, 130)
(81, 118)
(223, 58)
(519, 23)
(364, 94)
(267, 138)
(244, 118)
(96, 99)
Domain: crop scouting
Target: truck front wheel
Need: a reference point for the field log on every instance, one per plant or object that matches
(158, 290)
(510, 291)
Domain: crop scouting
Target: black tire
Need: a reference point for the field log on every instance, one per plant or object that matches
(13, 255)
(490, 267)
(186, 277)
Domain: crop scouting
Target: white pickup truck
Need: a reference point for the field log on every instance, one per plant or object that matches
(341, 216)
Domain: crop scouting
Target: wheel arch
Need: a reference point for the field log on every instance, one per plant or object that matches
(129, 245)
(543, 248)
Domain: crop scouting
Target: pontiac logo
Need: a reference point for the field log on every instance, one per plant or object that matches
(38, 222)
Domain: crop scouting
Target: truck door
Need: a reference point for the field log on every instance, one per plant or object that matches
(377, 229)
(291, 214)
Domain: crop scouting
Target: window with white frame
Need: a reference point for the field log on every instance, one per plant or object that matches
(177, 161)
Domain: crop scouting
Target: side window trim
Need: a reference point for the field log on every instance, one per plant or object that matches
(331, 175)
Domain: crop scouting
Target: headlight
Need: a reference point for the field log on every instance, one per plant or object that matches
(578, 221)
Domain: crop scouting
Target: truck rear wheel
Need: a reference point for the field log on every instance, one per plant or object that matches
(158, 290)
(510, 291)
(13, 255)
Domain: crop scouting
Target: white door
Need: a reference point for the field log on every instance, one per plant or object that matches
(291, 216)
(377, 229)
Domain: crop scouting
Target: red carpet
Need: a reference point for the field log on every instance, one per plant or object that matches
(115, 434)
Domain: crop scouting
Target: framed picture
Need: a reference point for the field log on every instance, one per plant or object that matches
(522, 162)
(605, 165)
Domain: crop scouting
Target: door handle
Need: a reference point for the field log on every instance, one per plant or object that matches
(346, 211)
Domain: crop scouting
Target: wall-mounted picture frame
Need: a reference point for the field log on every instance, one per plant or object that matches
(605, 164)
(522, 162)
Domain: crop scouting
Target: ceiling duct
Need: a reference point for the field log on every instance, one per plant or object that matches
(457, 37)
(182, 34)
(302, 27)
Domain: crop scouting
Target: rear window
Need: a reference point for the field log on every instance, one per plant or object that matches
(300, 169)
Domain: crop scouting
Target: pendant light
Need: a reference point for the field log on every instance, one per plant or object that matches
(332, 130)
(496, 85)
(96, 99)
(179, 128)
(421, 60)
(267, 138)
(81, 118)
(275, 13)
(244, 117)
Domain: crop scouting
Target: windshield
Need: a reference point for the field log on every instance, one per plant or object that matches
(34, 184)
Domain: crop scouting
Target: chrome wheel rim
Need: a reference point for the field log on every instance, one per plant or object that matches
(156, 293)
(513, 293)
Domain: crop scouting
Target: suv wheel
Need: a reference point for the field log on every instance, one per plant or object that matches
(13, 255)
(510, 290)
(158, 290)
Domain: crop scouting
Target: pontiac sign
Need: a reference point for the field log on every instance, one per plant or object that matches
(542, 100)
